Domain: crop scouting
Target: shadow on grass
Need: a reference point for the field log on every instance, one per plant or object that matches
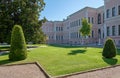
(74, 52)
(111, 61)
(6, 61)
(100, 52)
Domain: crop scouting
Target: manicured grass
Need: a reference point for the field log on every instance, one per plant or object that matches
(4, 48)
(61, 60)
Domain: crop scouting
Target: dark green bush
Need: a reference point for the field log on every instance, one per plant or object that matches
(109, 50)
(18, 49)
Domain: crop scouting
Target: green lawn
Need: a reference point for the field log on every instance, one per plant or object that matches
(4, 48)
(60, 60)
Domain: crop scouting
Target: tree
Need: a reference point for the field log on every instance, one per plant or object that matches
(109, 50)
(39, 37)
(21, 12)
(85, 30)
(18, 49)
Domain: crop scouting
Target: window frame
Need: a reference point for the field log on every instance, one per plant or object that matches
(113, 31)
(108, 31)
(113, 11)
(107, 13)
(99, 18)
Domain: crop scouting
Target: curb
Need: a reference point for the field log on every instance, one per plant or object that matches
(41, 68)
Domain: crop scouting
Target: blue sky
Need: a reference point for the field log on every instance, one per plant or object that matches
(57, 10)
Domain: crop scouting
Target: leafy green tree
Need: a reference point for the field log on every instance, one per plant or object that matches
(18, 49)
(85, 30)
(109, 50)
(39, 37)
(21, 12)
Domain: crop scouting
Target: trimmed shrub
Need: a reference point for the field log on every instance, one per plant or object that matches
(18, 49)
(109, 50)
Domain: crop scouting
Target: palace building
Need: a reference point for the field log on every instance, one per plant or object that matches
(105, 22)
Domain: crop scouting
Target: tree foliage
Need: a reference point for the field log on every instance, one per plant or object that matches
(109, 50)
(39, 37)
(86, 28)
(18, 49)
(22, 12)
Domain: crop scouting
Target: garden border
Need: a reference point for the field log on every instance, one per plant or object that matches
(92, 70)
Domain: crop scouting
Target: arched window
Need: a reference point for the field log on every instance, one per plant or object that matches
(99, 18)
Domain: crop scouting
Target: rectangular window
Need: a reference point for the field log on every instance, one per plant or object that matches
(108, 31)
(62, 37)
(99, 18)
(61, 28)
(107, 13)
(52, 37)
(113, 11)
(79, 22)
(92, 20)
(119, 30)
(103, 34)
(79, 35)
(119, 10)
(92, 34)
(76, 23)
(89, 19)
(56, 28)
(113, 30)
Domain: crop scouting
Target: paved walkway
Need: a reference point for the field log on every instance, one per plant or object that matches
(21, 71)
(33, 70)
(113, 72)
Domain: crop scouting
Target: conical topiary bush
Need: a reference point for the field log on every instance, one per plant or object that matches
(18, 49)
(109, 50)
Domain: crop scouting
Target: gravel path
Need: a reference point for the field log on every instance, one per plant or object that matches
(113, 72)
(21, 71)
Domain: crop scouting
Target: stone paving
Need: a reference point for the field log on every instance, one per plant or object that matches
(21, 71)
